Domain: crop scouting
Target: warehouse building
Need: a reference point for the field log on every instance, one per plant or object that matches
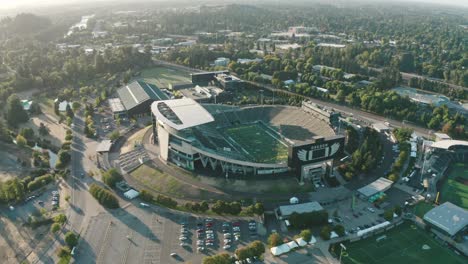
(447, 218)
(136, 98)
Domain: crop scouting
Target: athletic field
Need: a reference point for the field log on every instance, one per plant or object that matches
(258, 143)
(455, 187)
(404, 244)
(163, 76)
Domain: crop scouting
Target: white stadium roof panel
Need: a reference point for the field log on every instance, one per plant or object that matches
(181, 113)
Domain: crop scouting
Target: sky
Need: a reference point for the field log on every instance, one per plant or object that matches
(8, 4)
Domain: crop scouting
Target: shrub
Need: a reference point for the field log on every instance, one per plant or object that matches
(103, 196)
(146, 196)
(61, 219)
(339, 230)
(274, 240)
(63, 252)
(111, 177)
(307, 220)
(71, 239)
(166, 201)
(306, 235)
(55, 227)
(39, 182)
(325, 232)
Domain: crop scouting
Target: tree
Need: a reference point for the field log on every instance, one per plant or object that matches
(325, 232)
(339, 230)
(257, 247)
(407, 62)
(21, 141)
(71, 239)
(306, 234)
(60, 219)
(397, 210)
(4, 136)
(114, 135)
(76, 106)
(146, 196)
(43, 130)
(274, 240)
(243, 253)
(222, 258)
(55, 227)
(15, 114)
(103, 196)
(63, 252)
(111, 177)
(388, 214)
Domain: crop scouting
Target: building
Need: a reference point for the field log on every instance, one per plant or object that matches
(447, 218)
(381, 127)
(326, 114)
(285, 47)
(283, 212)
(203, 78)
(228, 82)
(218, 137)
(137, 97)
(117, 108)
(222, 62)
(441, 136)
(373, 188)
(248, 61)
(205, 94)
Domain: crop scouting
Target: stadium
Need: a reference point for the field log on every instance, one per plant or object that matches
(446, 172)
(253, 140)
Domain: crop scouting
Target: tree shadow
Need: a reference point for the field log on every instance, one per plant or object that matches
(134, 223)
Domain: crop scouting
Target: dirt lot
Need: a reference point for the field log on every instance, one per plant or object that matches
(56, 131)
(14, 162)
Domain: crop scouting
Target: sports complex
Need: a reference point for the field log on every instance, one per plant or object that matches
(252, 140)
(402, 244)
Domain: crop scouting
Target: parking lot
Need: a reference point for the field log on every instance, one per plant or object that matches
(155, 235)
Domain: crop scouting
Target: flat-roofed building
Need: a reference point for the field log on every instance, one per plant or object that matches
(117, 107)
(447, 218)
(380, 185)
(285, 211)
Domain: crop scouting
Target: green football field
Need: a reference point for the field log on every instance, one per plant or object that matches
(404, 244)
(163, 76)
(257, 143)
(455, 187)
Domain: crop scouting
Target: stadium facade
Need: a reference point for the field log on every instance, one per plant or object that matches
(253, 140)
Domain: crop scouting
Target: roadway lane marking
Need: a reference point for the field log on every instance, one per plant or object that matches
(104, 242)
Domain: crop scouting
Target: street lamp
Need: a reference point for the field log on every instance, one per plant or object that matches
(341, 250)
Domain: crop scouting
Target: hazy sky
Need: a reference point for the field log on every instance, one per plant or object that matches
(8, 4)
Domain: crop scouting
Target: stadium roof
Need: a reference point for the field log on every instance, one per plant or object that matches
(116, 105)
(138, 92)
(448, 217)
(447, 144)
(287, 210)
(181, 113)
(380, 185)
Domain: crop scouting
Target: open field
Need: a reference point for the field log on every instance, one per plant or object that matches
(403, 244)
(163, 76)
(455, 187)
(257, 143)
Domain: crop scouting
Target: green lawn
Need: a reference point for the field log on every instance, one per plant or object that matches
(455, 187)
(163, 76)
(257, 143)
(402, 245)
(158, 180)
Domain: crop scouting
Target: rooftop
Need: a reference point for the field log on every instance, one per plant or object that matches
(138, 92)
(380, 185)
(448, 144)
(181, 113)
(104, 146)
(116, 105)
(448, 217)
(287, 210)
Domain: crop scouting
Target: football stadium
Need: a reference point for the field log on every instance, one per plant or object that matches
(251, 140)
(446, 171)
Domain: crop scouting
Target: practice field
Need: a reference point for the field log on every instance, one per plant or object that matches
(455, 187)
(163, 76)
(258, 143)
(404, 244)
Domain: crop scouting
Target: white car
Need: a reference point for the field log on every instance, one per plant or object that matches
(182, 238)
(173, 254)
(227, 235)
(200, 249)
(183, 244)
(226, 241)
(144, 205)
(226, 246)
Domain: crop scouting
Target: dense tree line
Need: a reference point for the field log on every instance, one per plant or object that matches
(103, 196)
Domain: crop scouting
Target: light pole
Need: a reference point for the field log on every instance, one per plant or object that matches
(341, 250)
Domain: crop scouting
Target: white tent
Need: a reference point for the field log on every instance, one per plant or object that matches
(281, 249)
(372, 228)
(301, 242)
(292, 244)
(131, 194)
(333, 234)
(312, 240)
